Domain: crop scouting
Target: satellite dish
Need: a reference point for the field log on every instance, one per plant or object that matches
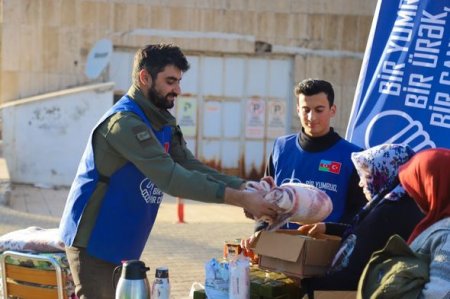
(98, 58)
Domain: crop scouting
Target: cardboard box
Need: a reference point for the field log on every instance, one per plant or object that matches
(294, 254)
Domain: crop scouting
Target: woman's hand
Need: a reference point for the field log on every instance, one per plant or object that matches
(313, 229)
(248, 243)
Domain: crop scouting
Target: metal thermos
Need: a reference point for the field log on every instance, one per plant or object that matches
(133, 283)
(161, 285)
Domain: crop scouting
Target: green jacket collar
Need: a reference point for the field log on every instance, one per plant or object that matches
(157, 117)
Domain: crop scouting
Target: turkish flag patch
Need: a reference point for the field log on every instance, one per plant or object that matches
(330, 166)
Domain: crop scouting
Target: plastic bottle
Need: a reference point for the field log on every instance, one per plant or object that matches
(239, 283)
(161, 284)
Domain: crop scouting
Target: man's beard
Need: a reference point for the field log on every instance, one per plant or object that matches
(159, 100)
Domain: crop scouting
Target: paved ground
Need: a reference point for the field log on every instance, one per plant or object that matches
(184, 248)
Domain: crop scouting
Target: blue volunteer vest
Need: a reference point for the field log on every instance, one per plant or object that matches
(328, 170)
(129, 206)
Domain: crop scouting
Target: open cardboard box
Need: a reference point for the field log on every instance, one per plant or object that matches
(294, 254)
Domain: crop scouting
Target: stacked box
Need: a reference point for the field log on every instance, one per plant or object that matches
(272, 285)
(267, 285)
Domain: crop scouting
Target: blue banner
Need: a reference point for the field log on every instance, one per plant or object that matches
(403, 92)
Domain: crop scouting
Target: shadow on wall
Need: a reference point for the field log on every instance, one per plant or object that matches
(45, 136)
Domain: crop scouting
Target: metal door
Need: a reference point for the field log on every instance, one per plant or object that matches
(232, 107)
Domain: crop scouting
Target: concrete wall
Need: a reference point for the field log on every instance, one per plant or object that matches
(45, 43)
(45, 136)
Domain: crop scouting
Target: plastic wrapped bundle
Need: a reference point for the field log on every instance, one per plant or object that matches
(298, 202)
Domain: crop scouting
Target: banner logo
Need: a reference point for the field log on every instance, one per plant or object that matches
(405, 130)
(403, 94)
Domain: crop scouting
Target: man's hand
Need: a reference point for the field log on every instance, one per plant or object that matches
(248, 215)
(270, 181)
(313, 229)
(265, 184)
(252, 202)
(256, 205)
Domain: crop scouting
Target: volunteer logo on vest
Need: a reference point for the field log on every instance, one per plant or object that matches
(290, 180)
(150, 192)
(330, 166)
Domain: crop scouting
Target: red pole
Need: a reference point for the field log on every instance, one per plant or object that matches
(180, 208)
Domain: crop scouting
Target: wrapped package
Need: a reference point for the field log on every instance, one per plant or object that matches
(298, 202)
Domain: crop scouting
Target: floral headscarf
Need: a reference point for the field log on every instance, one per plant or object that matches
(378, 167)
(426, 179)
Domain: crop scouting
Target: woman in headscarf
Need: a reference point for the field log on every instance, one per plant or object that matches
(389, 211)
(426, 179)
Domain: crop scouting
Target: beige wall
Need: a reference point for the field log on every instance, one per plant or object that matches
(39, 133)
(44, 43)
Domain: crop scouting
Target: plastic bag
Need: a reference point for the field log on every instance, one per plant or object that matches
(239, 278)
(196, 286)
(216, 279)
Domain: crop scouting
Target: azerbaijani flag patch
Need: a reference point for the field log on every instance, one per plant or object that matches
(330, 166)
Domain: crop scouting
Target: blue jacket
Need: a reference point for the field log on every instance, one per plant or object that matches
(329, 170)
(129, 207)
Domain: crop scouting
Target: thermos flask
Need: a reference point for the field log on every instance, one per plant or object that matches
(133, 283)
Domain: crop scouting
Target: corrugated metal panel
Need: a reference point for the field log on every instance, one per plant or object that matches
(231, 154)
(234, 84)
(279, 74)
(257, 77)
(212, 119)
(211, 75)
(190, 82)
(227, 135)
(232, 127)
(211, 152)
(254, 159)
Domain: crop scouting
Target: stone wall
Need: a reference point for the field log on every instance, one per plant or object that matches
(45, 43)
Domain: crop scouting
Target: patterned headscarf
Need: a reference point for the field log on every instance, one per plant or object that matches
(426, 179)
(378, 167)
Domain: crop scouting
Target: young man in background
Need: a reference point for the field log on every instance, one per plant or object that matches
(317, 155)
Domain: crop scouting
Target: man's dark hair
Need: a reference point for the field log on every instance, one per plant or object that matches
(309, 87)
(154, 58)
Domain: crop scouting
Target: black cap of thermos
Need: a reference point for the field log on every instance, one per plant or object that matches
(134, 269)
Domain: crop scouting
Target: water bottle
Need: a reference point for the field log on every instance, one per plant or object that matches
(161, 284)
(133, 283)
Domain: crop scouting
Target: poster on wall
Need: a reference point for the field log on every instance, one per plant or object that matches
(187, 115)
(276, 118)
(403, 93)
(255, 118)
